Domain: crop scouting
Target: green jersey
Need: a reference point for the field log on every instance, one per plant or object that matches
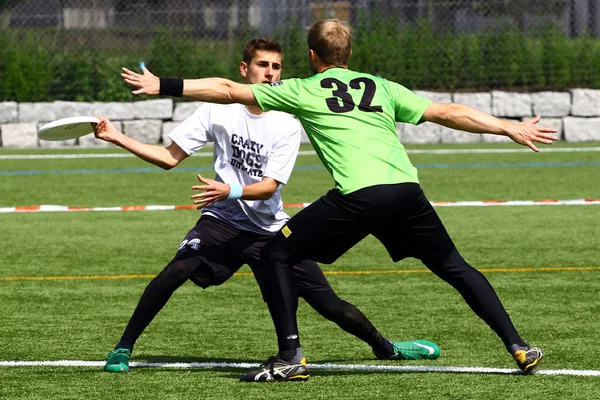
(350, 118)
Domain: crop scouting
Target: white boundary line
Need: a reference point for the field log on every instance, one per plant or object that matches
(490, 203)
(301, 153)
(78, 156)
(345, 367)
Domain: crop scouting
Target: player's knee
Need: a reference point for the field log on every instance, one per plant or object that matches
(336, 311)
(452, 266)
(179, 269)
(456, 261)
(328, 304)
(344, 309)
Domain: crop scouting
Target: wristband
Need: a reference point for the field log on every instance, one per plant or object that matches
(235, 191)
(171, 87)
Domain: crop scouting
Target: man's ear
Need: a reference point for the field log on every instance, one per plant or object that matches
(243, 69)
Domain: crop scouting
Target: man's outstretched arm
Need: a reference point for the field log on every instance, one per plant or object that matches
(163, 157)
(211, 90)
(464, 118)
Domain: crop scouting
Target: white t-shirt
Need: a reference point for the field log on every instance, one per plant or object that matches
(247, 148)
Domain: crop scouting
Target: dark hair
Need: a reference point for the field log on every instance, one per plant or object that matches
(331, 39)
(260, 43)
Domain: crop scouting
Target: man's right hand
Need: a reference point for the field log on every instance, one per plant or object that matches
(146, 83)
(105, 130)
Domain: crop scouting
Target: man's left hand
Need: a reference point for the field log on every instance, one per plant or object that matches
(213, 191)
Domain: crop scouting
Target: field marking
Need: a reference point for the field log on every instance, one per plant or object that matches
(242, 274)
(344, 367)
(484, 203)
(300, 153)
(104, 155)
(78, 156)
(297, 168)
(496, 151)
(76, 277)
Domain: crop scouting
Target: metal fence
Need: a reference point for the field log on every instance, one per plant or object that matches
(453, 35)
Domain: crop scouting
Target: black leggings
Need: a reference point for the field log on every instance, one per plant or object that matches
(325, 302)
(477, 292)
(403, 220)
(469, 282)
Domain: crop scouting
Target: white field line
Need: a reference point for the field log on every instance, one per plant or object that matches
(345, 367)
(508, 203)
(79, 156)
(303, 153)
(490, 203)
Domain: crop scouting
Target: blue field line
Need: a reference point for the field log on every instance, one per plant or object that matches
(510, 165)
(303, 168)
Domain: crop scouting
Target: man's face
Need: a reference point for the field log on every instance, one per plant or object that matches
(265, 67)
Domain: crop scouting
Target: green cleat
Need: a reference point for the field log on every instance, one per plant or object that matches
(415, 350)
(118, 360)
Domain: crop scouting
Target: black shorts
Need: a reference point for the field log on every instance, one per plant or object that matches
(221, 250)
(398, 215)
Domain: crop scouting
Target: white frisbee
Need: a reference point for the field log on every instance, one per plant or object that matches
(67, 128)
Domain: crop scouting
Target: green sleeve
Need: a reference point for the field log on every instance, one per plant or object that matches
(279, 96)
(408, 106)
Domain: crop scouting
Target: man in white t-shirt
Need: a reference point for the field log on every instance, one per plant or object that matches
(254, 154)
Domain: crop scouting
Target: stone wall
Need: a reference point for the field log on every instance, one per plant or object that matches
(575, 114)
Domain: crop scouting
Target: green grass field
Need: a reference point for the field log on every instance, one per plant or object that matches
(542, 260)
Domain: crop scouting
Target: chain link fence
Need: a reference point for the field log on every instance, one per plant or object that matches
(73, 50)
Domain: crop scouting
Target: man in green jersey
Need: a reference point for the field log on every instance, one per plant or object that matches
(350, 118)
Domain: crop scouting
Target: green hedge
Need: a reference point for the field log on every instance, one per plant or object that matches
(37, 65)
(420, 58)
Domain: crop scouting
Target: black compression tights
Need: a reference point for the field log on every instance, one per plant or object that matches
(350, 319)
(470, 283)
(477, 292)
(154, 298)
(325, 302)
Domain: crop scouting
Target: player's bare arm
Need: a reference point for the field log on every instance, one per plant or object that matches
(163, 157)
(461, 117)
(218, 90)
(211, 90)
(215, 191)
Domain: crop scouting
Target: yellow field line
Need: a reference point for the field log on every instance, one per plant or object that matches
(383, 272)
(74, 278)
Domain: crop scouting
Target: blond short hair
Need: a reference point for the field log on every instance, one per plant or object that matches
(331, 39)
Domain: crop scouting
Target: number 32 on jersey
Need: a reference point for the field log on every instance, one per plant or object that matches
(342, 101)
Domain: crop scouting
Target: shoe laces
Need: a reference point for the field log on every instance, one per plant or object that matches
(534, 353)
(269, 364)
(119, 353)
(414, 350)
